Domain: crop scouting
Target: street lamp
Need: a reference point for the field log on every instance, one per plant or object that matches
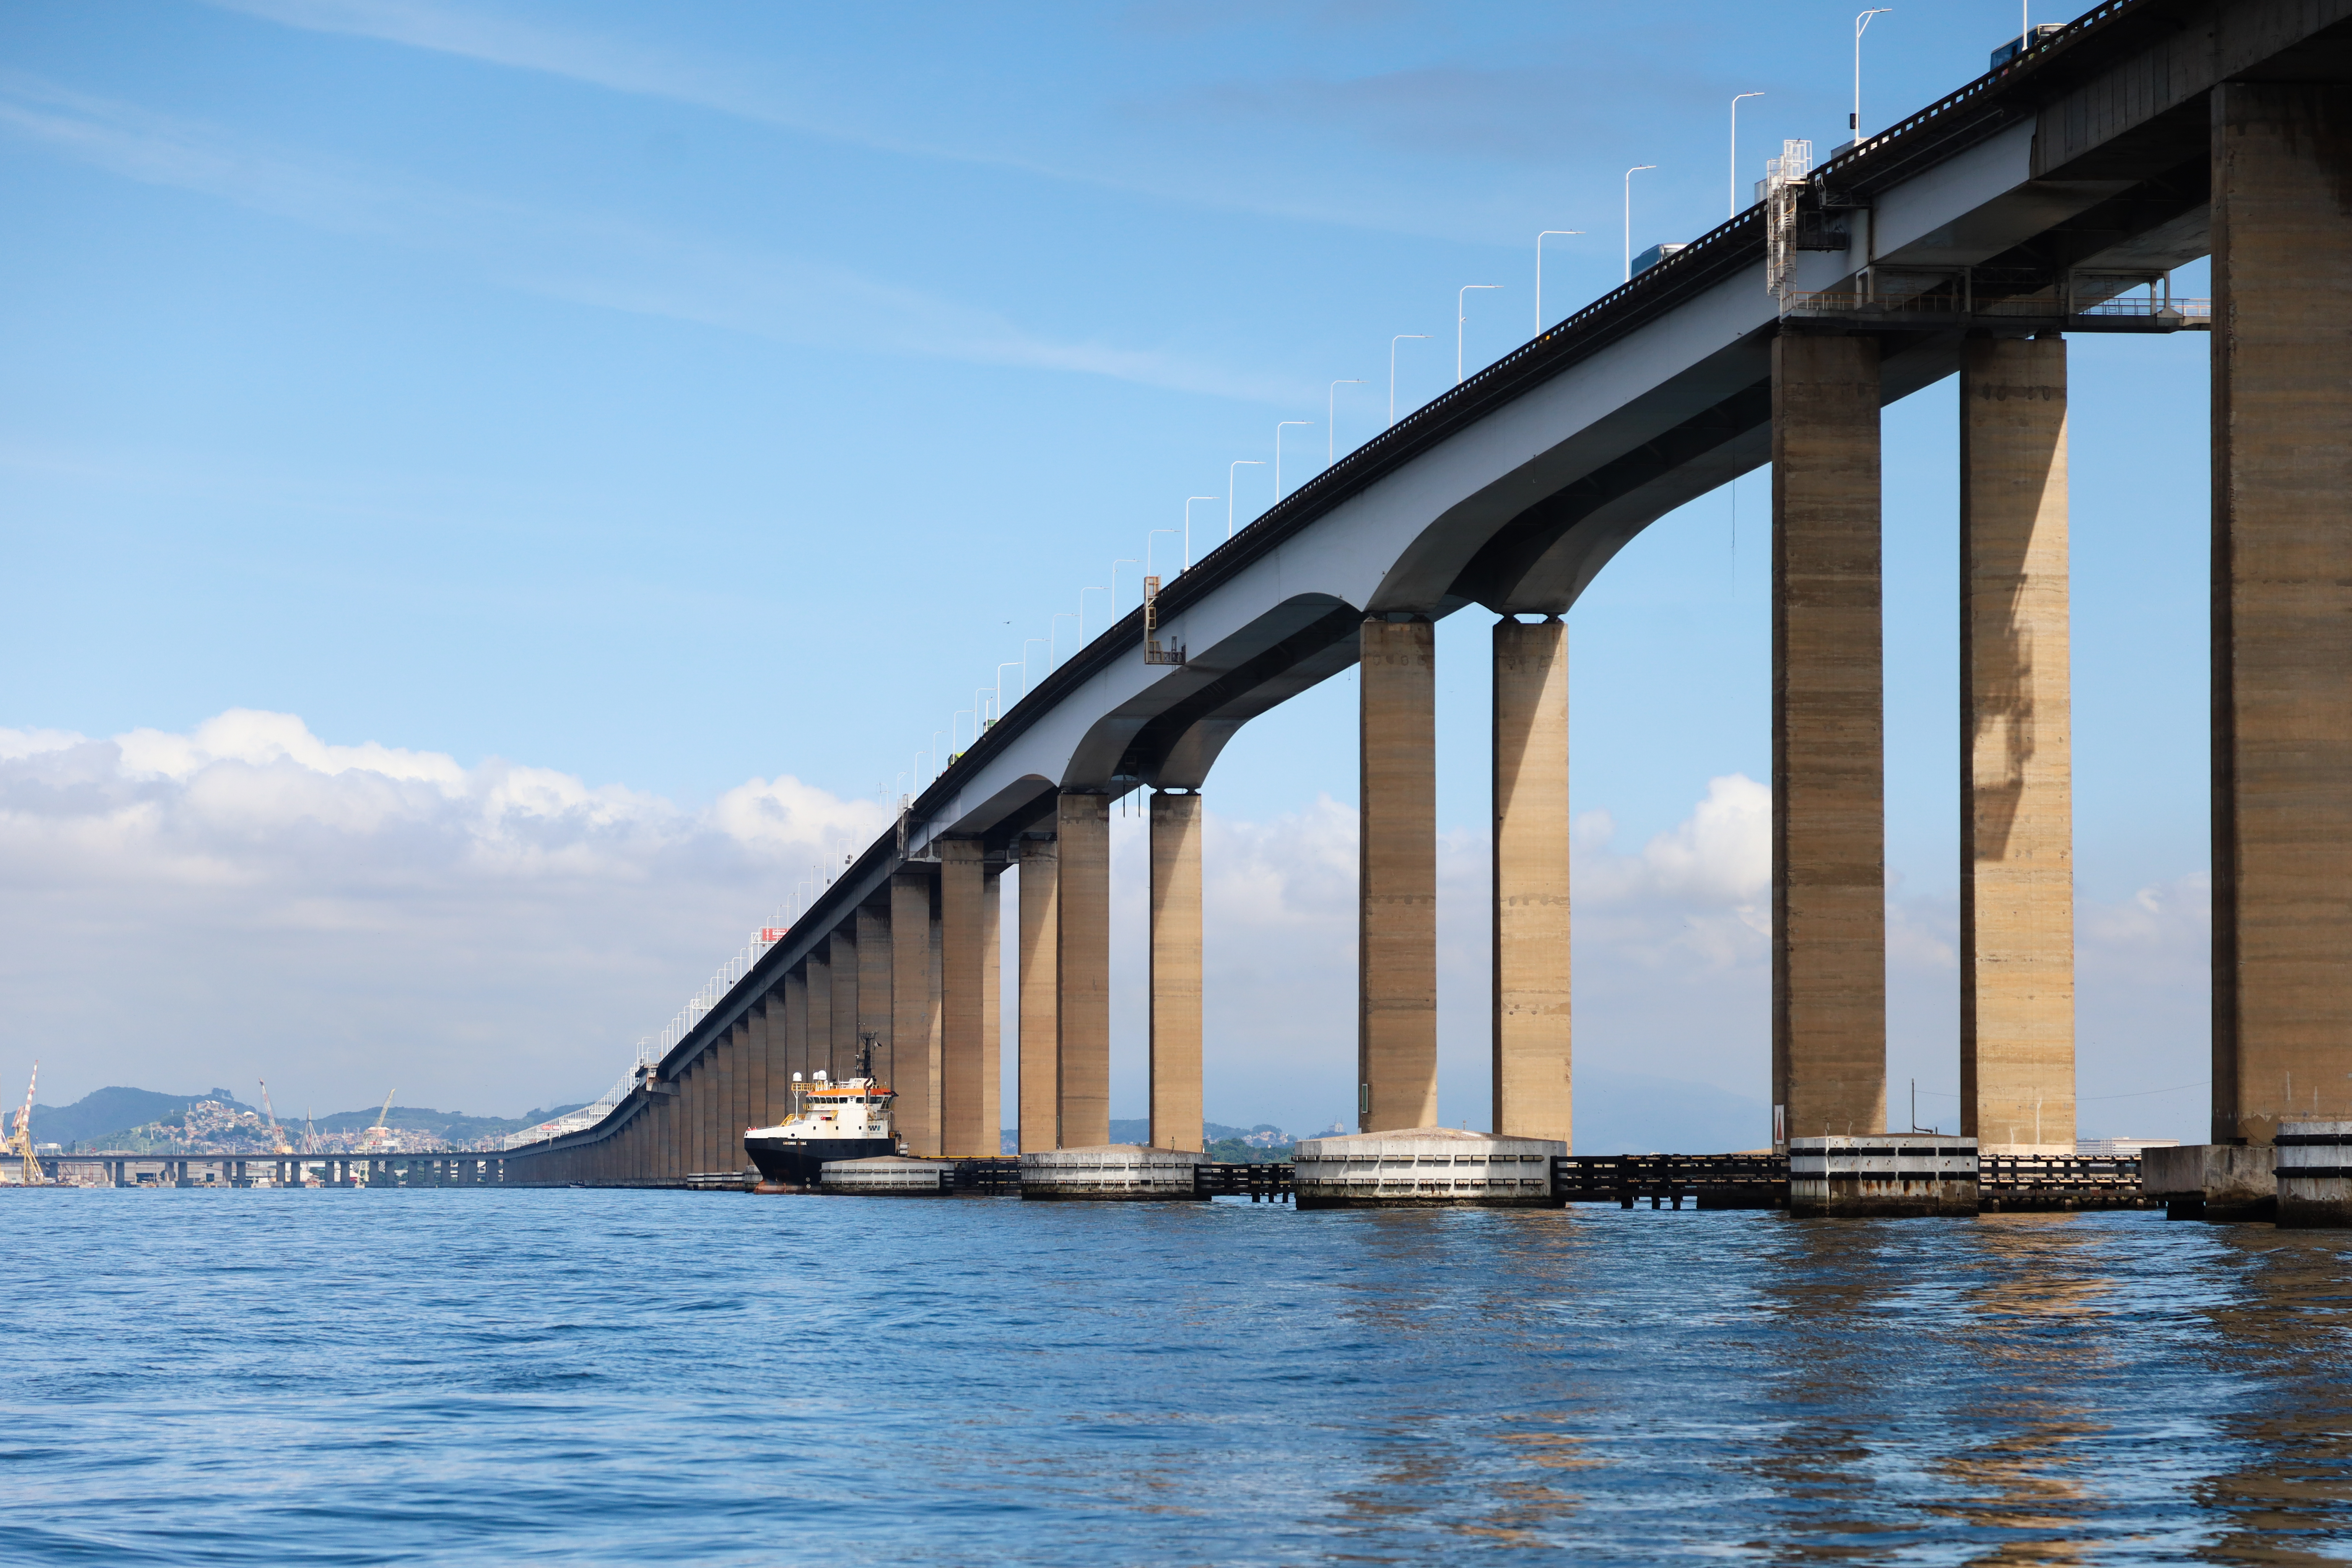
(1462, 314)
(1734, 151)
(1539, 240)
(1628, 216)
(1861, 26)
(1331, 420)
(1188, 528)
(1236, 463)
(1278, 426)
(1392, 343)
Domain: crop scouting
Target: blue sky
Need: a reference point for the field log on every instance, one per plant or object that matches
(670, 398)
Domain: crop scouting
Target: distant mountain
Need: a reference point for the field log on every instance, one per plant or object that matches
(96, 1117)
(110, 1110)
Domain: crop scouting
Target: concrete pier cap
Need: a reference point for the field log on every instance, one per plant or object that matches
(1424, 1167)
(1882, 1175)
(1113, 1172)
(2224, 1182)
(889, 1176)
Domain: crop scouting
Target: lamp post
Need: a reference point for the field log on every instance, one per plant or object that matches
(1462, 314)
(1392, 343)
(1861, 26)
(1236, 463)
(1628, 216)
(1547, 234)
(1331, 420)
(1188, 528)
(1023, 666)
(1278, 427)
(1734, 151)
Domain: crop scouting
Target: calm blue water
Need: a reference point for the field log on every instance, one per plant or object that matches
(585, 1377)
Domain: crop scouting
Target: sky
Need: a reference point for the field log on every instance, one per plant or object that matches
(493, 493)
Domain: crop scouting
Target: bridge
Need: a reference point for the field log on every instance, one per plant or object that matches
(2051, 196)
(422, 1168)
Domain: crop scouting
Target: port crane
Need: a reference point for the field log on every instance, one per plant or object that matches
(278, 1143)
(20, 1140)
(375, 1136)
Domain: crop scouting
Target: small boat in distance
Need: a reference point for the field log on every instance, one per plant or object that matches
(838, 1118)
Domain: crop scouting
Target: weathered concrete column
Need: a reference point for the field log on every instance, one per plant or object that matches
(2281, 642)
(1038, 943)
(817, 1048)
(796, 1038)
(1396, 892)
(962, 985)
(876, 994)
(767, 1022)
(992, 1006)
(1829, 829)
(1531, 1011)
(1081, 968)
(1176, 971)
(841, 1051)
(730, 1093)
(917, 1110)
(2017, 793)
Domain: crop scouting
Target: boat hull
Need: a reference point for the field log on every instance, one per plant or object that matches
(798, 1160)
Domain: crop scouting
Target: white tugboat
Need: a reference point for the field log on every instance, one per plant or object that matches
(837, 1119)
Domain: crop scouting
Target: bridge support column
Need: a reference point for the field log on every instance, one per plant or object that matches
(767, 1023)
(962, 987)
(1829, 833)
(1081, 968)
(1531, 975)
(1396, 893)
(916, 1112)
(875, 996)
(2282, 600)
(841, 1051)
(729, 1080)
(2017, 826)
(992, 1009)
(817, 1048)
(797, 1038)
(1176, 971)
(1039, 1005)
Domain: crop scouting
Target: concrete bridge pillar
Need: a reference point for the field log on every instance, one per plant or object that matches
(1531, 1000)
(1396, 894)
(797, 1038)
(1176, 971)
(1082, 967)
(819, 1044)
(910, 1010)
(1037, 942)
(841, 1051)
(962, 988)
(875, 995)
(2281, 568)
(767, 1024)
(1829, 833)
(2017, 815)
(992, 1006)
(729, 1084)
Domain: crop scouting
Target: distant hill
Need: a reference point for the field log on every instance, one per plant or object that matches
(111, 1110)
(98, 1118)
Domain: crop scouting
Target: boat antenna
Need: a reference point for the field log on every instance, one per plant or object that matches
(866, 1053)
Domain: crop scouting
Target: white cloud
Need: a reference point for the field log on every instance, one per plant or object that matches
(177, 906)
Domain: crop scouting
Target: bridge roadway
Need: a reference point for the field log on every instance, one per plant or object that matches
(2051, 196)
